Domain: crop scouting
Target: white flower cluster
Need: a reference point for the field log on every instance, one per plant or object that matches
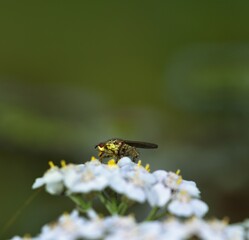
(117, 185)
(135, 182)
(73, 227)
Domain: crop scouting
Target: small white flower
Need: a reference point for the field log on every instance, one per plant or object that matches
(189, 187)
(199, 207)
(137, 183)
(174, 229)
(118, 183)
(131, 180)
(86, 179)
(93, 162)
(160, 175)
(127, 166)
(116, 222)
(235, 233)
(192, 227)
(92, 230)
(91, 214)
(158, 195)
(72, 227)
(173, 180)
(210, 230)
(151, 230)
(135, 193)
(179, 208)
(53, 181)
(67, 227)
(245, 226)
(124, 162)
(183, 205)
(119, 228)
(38, 183)
(213, 229)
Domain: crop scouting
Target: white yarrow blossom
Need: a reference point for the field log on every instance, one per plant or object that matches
(117, 186)
(124, 177)
(235, 233)
(131, 180)
(53, 181)
(158, 195)
(160, 175)
(86, 179)
(137, 182)
(73, 226)
(189, 187)
(184, 206)
(126, 162)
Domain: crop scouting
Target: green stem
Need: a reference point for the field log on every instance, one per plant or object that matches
(110, 205)
(122, 208)
(151, 216)
(106, 195)
(160, 215)
(83, 206)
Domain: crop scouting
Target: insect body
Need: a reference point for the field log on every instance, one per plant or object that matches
(118, 148)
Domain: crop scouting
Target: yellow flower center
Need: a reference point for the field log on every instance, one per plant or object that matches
(87, 176)
(112, 163)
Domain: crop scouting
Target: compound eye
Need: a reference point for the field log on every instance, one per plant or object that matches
(101, 145)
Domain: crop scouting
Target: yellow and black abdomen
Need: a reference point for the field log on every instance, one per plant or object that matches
(128, 151)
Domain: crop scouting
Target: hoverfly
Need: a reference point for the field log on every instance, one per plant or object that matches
(118, 148)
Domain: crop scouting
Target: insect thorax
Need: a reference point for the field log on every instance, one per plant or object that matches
(127, 150)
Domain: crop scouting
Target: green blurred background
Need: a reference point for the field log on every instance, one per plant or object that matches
(76, 73)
